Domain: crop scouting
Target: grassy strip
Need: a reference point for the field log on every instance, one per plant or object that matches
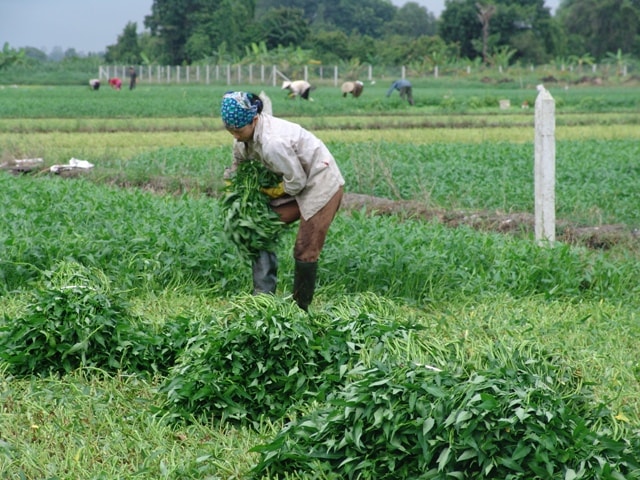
(104, 428)
(489, 119)
(58, 147)
(201, 101)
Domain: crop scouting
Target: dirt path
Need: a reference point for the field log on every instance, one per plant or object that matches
(598, 237)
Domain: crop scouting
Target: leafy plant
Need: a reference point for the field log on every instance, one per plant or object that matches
(270, 356)
(525, 415)
(249, 221)
(259, 363)
(76, 321)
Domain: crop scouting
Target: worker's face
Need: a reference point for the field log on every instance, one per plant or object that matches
(244, 134)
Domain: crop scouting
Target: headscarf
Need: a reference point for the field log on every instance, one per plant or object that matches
(237, 109)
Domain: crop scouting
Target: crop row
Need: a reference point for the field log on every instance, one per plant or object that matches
(147, 241)
(202, 101)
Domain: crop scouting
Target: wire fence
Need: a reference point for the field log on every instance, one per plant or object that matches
(241, 74)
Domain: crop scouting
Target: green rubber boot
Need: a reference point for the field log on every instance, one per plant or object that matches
(304, 283)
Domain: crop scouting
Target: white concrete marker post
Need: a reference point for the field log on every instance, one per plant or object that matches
(545, 166)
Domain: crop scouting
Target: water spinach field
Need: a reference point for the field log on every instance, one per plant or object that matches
(443, 341)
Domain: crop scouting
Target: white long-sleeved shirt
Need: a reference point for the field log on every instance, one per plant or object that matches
(308, 169)
(297, 87)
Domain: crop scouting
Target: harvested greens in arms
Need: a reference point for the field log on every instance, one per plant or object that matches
(249, 221)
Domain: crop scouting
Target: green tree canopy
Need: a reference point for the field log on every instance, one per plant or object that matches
(521, 24)
(366, 17)
(310, 9)
(126, 50)
(330, 46)
(188, 31)
(601, 26)
(10, 56)
(179, 23)
(412, 20)
(283, 26)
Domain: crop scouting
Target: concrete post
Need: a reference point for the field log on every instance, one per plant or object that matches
(545, 166)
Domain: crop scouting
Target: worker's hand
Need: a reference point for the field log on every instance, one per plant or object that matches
(274, 192)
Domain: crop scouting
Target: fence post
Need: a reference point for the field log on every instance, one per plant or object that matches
(544, 167)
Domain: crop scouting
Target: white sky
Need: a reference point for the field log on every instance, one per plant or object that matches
(90, 25)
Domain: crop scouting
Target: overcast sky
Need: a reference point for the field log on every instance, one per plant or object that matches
(89, 26)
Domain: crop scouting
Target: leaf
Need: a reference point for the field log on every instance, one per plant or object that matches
(463, 416)
(443, 458)
(428, 425)
(570, 474)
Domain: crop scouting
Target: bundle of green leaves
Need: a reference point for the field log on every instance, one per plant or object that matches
(75, 321)
(529, 417)
(270, 357)
(249, 221)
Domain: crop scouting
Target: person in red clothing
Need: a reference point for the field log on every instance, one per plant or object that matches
(115, 82)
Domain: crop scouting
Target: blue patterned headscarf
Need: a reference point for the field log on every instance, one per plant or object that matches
(237, 110)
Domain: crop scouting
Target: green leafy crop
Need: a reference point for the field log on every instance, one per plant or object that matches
(269, 356)
(528, 417)
(76, 321)
(249, 221)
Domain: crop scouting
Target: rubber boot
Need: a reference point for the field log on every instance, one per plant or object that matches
(304, 283)
(265, 273)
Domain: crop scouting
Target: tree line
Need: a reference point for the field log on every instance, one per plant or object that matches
(491, 32)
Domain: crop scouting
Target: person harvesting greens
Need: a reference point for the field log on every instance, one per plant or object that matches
(310, 188)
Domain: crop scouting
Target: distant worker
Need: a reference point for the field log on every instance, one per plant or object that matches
(300, 88)
(115, 83)
(354, 88)
(133, 75)
(404, 87)
(94, 84)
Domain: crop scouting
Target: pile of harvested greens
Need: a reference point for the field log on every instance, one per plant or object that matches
(249, 221)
